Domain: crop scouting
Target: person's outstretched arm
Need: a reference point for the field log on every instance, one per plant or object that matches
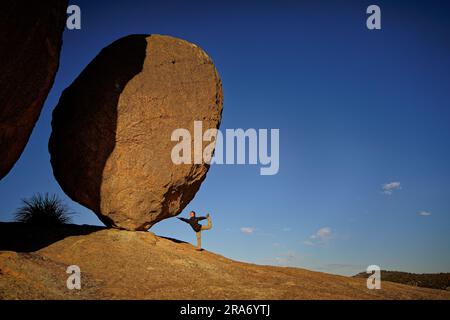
(183, 219)
(201, 218)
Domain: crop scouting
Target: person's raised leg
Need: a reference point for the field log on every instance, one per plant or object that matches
(209, 225)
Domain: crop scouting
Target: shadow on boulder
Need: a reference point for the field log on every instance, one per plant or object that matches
(91, 102)
(21, 237)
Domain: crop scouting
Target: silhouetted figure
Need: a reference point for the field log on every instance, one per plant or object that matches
(197, 227)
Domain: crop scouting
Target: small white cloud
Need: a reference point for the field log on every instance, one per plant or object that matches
(321, 237)
(424, 213)
(287, 229)
(324, 233)
(247, 230)
(291, 258)
(389, 188)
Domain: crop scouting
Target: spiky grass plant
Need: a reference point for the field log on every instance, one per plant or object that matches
(44, 210)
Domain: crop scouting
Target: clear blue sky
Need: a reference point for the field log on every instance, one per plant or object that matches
(356, 109)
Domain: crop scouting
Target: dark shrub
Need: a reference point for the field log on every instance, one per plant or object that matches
(43, 210)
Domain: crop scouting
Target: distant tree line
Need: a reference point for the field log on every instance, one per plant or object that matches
(425, 280)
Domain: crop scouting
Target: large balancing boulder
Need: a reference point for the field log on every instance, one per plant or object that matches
(30, 43)
(111, 141)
